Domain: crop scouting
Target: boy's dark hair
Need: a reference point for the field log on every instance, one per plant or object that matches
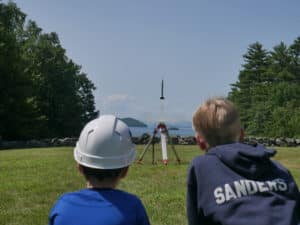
(101, 174)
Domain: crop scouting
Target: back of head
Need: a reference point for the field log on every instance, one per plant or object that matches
(105, 143)
(217, 120)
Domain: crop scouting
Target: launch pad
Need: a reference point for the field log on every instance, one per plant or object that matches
(164, 134)
(162, 129)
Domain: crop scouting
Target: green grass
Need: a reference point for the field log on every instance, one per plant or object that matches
(33, 179)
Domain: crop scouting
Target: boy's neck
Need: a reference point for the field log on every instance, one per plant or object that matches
(102, 184)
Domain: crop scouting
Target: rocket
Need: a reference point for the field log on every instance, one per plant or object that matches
(162, 90)
(162, 127)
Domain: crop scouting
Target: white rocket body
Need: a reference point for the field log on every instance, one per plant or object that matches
(164, 147)
(163, 131)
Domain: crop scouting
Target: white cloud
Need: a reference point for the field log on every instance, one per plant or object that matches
(117, 98)
(125, 105)
(122, 105)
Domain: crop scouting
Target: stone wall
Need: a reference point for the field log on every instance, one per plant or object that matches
(54, 142)
(283, 142)
(280, 141)
(144, 139)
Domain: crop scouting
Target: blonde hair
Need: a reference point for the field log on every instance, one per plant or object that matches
(218, 121)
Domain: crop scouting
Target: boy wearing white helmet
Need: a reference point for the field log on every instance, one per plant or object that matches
(103, 152)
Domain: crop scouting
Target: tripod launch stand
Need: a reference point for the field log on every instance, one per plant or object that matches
(164, 134)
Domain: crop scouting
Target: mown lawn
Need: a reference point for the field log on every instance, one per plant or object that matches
(32, 180)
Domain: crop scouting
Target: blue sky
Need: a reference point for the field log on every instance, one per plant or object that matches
(127, 47)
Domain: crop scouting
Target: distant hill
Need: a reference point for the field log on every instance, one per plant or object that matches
(133, 122)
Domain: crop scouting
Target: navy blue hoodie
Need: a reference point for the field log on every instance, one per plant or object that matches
(237, 184)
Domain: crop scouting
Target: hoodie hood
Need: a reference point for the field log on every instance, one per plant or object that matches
(249, 161)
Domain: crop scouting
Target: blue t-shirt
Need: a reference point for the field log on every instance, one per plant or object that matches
(98, 207)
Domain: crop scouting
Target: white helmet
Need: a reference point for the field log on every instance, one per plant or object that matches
(105, 143)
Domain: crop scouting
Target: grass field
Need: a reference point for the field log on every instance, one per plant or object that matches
(33, 179)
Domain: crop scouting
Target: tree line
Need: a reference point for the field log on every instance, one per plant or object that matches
(267, 92)
(43, 93)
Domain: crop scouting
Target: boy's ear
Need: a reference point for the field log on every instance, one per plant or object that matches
(79, 167)
(124, 172)
(242, 134)
(201, 142)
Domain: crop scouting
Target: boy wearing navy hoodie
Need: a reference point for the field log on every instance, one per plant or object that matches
(235, 183)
